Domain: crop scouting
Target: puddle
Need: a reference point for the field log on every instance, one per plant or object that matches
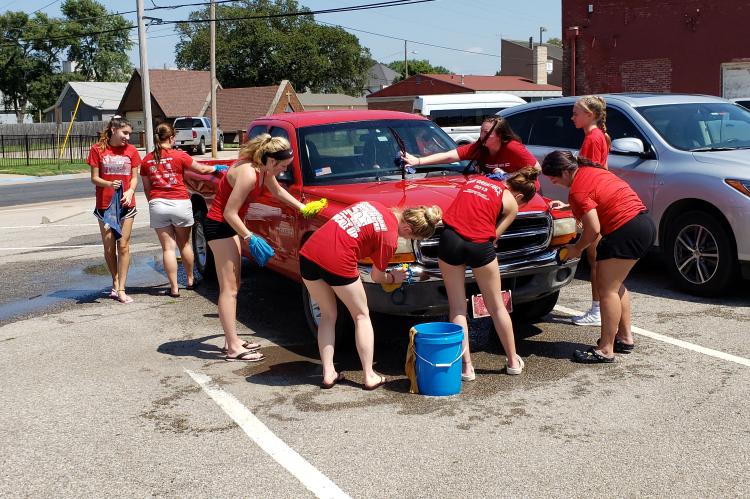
(85, 285)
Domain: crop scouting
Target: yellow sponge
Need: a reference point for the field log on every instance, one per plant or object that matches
(314, 207)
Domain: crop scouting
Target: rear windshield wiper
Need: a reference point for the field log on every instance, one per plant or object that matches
(705, 149)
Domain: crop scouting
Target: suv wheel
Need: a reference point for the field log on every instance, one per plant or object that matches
(535, 310)
(202, 146)
(220, 143)
(344, 323)
(204, 258)
(700, 254)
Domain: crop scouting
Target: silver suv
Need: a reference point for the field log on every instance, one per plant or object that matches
(687, 157)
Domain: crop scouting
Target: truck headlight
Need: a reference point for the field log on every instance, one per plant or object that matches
(404, 253)
(563, 231)
(741, 185)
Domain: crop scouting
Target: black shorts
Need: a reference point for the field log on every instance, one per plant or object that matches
(311, 271)
(455, 250)
(630, 242)
(213, 230)
(125, 213)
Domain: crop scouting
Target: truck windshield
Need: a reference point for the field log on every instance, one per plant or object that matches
(368, 150)
(706, 126)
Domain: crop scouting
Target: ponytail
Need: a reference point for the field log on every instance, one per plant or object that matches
(162, 133)
(524, 182)
(422, 220)
(260, 148)
(597, 106)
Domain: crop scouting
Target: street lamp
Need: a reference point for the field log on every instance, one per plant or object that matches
(406, 62)
(542, 29)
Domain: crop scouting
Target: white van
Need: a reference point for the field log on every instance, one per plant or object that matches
(461, 115)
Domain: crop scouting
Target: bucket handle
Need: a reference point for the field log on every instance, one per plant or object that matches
(441, 364)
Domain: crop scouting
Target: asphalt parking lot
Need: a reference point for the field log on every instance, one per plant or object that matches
(101, 398)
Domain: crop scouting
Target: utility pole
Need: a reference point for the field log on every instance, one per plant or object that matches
(212, 31)
(145, 86)
(406, 63)
(542, 29)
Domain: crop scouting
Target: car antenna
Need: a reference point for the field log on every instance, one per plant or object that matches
(471, 164)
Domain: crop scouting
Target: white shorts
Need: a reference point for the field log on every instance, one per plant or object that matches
(166, 212)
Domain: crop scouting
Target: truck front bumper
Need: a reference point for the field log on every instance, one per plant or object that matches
(529, 280)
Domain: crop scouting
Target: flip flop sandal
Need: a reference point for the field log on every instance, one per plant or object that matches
(252, 347)
(191, 287)
(113, 294)
(383, 381)
(125, 300)
(171, 295)
(243, 357)
(591, 356)
(328, 386)
(621, 347)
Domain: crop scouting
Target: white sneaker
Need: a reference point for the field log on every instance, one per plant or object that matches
(588, 319)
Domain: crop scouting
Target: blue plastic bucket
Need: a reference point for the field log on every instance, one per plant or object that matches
(439, 348)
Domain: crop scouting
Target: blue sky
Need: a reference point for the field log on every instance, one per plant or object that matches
(473, 25)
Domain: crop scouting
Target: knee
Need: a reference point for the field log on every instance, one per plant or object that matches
(361, 316)
(123, 248)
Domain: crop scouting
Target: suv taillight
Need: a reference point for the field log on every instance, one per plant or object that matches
(195, 134)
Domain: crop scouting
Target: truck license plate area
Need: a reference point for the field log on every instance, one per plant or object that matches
(479, 310)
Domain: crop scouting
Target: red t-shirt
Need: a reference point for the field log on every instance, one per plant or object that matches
(511, 157)
(114, 163)
(166, 177)
(595, 147)
(475, 211)
(615, 202)
(365, 229)
(216, 212)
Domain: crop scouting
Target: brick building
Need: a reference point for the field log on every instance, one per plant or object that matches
(647, 46)
(517, 59)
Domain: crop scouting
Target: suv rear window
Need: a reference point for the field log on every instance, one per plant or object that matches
(183, 124)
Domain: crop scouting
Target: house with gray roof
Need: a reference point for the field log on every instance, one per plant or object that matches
(379, 76)
(99, 101)
(517, 59)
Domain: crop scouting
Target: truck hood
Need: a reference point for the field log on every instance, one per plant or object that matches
(730, 163)
(428, 191)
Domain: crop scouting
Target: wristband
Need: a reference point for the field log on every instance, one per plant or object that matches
(248, 236)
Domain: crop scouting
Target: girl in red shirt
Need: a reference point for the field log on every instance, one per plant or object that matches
(590, 115)
(606, 205)
(169, 205)
(114, 164)
(328, 265)
(260, 160)
(481, 212)
(498, 150)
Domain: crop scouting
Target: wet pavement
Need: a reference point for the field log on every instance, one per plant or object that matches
(97, 400)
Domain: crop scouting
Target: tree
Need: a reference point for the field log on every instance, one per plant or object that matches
(98, 56)
(29, 53)
(555, 41)
(252, 52)
(416, 66)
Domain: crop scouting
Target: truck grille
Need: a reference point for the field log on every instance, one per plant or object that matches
(529, 233)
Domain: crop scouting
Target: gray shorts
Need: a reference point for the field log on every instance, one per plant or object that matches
(166, 212)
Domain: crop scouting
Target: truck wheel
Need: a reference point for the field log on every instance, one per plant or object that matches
(220, 143)
(202, 146)
(344, 323)
(700, 254)
(204, 258)
(535, 310)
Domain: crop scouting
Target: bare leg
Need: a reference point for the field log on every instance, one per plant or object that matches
(591, 257)
(488, 279)
(123, 257)
(168, 246)
(228, 261)
(353, 296)
(182, 234)
(624, 331)
(453, 278)
(612, 273)
(110, 254)
(324, 296)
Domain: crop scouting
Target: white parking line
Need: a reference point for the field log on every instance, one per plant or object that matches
(315, 481)
(672, 341)
(41, 226)
(52, 247)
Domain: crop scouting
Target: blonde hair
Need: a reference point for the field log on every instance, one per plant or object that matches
(422, 220)
(598, 107)
(115, 123)
(260, 146)
(162, 133)
(523, 182)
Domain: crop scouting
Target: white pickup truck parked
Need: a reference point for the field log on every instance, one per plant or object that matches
(194, 134)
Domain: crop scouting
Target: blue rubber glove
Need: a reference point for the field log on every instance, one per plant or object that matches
(220, 168)
(260, 250)
(499, 176)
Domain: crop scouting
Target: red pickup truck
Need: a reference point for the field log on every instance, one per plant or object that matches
(350, 156)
